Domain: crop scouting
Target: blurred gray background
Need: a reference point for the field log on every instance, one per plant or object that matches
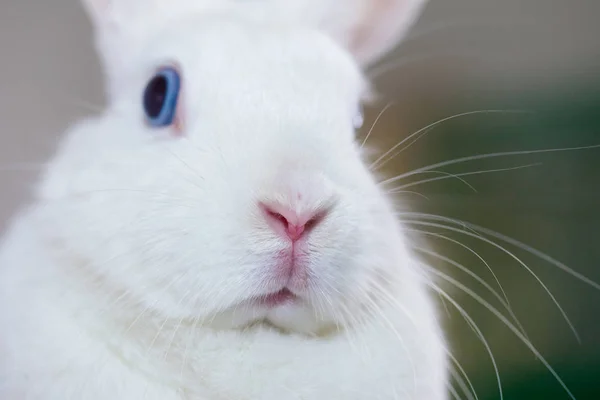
(464, 55)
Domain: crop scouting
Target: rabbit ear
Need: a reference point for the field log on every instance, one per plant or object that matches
(114, 11)
(117, 24)
(119, 17)
(369, 28)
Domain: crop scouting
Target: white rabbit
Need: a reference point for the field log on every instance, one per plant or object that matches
(215, 233)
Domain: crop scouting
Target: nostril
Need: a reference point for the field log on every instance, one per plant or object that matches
(275, 219)
(314, 221)
(290, 223)
(278, 217)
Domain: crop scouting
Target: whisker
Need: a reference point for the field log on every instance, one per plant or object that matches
(148, 308)
(376, 166)
(446, 175)
(375, 123)
(513, 256)
(464, 246)
(473, 325)
(529, 249)
(354, 321)
(191, 335)
(188, 166)
(463, 174)
(443, 302)
(502, 301)
(178, 326)
(389, 299)
(320, 307)
(506, 322)
(429, 127)
(375, 308)
(470, 390)
(485, 156)
(489, 268)
(453, 391)
(411, 193)
(463, 386)
(537, 253)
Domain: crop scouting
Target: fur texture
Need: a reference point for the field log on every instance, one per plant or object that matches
(133, 273)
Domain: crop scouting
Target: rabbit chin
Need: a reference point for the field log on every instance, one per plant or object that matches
(301, 309)
(294, 315)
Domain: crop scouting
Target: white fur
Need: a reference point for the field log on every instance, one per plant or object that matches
(127, 277)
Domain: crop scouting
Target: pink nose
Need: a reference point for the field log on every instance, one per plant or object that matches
(288, 222)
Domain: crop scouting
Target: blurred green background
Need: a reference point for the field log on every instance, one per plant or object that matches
(540, 62)
(551, 205)
(538, 56)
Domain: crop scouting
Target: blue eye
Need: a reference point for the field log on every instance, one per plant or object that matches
(160, 97)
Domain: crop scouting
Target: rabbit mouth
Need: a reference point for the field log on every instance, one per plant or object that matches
(279, 298)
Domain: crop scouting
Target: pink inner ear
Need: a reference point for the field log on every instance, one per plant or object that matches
(370, 22)
(377, 28)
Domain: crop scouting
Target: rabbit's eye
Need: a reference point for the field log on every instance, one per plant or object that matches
(160, 97)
